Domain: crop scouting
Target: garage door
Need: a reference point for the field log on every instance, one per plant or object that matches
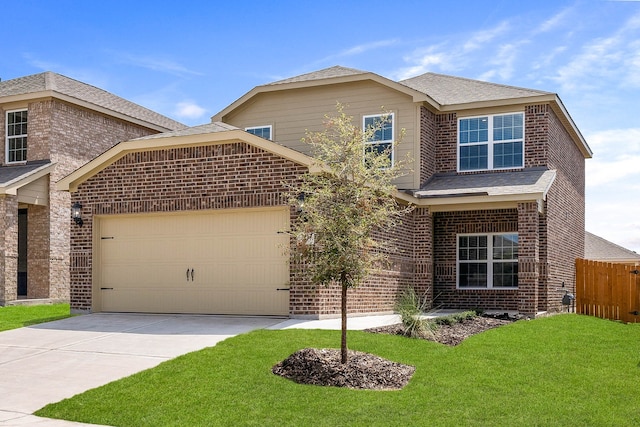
(222, 262)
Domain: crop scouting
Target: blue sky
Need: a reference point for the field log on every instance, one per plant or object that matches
(189, 60)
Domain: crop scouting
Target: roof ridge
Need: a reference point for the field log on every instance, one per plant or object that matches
(324, 73)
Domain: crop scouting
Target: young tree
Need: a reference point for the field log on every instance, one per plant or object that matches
(344, 205)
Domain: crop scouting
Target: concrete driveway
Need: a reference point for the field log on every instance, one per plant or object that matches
(46, 363)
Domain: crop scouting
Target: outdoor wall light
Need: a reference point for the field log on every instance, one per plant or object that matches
(300, 208)
(76, 210)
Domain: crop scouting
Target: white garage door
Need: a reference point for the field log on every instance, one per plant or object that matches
(214, 262)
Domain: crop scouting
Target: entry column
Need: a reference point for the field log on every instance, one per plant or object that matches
(528, 258)
(8, 248)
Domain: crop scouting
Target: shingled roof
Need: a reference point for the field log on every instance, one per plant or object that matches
(598, 249)
(528, 181)
(326, 73)
(449, 90)
(49, 83)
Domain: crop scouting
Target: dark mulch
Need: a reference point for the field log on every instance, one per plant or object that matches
(367, 371)
(362, 370)
(449, 334)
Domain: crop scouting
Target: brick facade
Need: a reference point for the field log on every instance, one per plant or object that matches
(231, 175)
(565, 211)
(549, 241)
(69, 136)
(447, 225)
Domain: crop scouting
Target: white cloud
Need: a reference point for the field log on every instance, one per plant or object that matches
(362, 48)
(189, 110)
(454, 54)
(612, 178)
(616, 158)
(555, 21)
(164, 65)
(352, 51)
(605, 59)
(479, 39)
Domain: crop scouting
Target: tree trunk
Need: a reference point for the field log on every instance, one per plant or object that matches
(343, 347)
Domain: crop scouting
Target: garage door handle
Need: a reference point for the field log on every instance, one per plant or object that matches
(283, 289)
(187, 274)
(192, 274)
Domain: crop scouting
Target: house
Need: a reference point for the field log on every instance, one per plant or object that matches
(51, 125)
(599, 249)
(193, 220)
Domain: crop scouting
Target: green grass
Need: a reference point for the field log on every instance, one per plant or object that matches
(17, 316)
(566, 370)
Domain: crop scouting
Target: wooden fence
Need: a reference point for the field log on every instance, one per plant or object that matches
(607, 290)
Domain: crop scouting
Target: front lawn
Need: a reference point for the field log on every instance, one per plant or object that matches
(567, 370)
(17, 316)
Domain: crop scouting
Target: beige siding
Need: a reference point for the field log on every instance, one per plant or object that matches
(218, 262)
(291, 112)
(36, 192)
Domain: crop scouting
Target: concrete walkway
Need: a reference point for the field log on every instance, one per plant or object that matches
(47, 363)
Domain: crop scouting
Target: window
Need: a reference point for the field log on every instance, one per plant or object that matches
(488, 261)
(491, 142)
(381, 141)
(261, 131)
(16, 136)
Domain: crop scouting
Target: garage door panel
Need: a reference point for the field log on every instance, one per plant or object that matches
(237, 257)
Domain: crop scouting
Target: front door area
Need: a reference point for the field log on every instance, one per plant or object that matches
(22, 253)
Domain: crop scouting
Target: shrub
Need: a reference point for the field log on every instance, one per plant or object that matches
(410, 308)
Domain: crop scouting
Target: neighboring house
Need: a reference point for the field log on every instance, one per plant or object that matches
(195, 220)
(599, 249)
(51, 125)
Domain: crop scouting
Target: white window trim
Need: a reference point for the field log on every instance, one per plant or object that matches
(270, 127)
(490, 142)
(489, 262)
(6, 136)
(385, 141)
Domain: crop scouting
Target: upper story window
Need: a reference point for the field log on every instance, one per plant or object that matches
(488, 260)
(381, 141)
(261, 131)
(16, 147)
(491, 142)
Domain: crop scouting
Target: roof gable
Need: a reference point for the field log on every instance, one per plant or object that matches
(208, 134)
(74, 91)
(440, 92)
(327, 76)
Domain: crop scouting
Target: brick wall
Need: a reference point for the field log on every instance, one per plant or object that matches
(408, 266)
(446, 152)
(231, 175)
(180, 179)
(528, 258)
(69, 136)
(447, 225)
(560, 233)
(565, 211)
(428, 138)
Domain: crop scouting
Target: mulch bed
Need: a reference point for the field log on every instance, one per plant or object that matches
(362, 370)
(367, 371)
